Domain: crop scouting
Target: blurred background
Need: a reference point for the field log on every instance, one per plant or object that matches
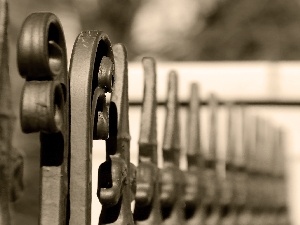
(170, 30)
(220, 37)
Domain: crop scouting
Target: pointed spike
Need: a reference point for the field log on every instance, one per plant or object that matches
(281, 155)
(277, 151)
(231, 138)
(148, 130)
(261, 147)
(240, 132)
(245, 139)
(281, 194)
(120, 94)
(212, 149)
(5, 86)
(193, 129)
(252, 151)
(171, 142)
(258, 145)
(270, 150)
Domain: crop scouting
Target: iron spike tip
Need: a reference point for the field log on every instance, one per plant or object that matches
(244, 137)
(241, 156)
(148, 129)
(275, 150)
(231, 135)
(148, 63)
(250, 139)
(119, 97)
(212, 149)
(193, 130)
(269, 133)
(120, 51)
(171, 142)
(5, 86)
(3, 16)
(251, 150)
(281, 151)
(259, 145)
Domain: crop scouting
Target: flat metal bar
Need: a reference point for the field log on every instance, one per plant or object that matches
(244, 102)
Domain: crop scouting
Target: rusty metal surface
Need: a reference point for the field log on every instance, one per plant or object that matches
(45, 108)
(194, 187)
(147, 199)
(87, 105)
(172, 178)
(116, 176)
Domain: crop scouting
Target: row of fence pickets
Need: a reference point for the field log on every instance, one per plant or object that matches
(251, 192)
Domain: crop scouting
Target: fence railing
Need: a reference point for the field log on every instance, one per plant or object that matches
(72, 108)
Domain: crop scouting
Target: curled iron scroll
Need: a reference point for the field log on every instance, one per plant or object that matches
(116, 183)
(42, 62)
(91, 73)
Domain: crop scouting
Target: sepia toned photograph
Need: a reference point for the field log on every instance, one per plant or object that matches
(149, 112)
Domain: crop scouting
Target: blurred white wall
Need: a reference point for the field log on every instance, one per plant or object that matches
(229, 80)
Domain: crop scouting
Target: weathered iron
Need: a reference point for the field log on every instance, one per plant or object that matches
(172, 178)
(45, 105)
(70, 111)
(194, 187)
(91, 73)
(116, 176)
(147, 199)
(11, 160)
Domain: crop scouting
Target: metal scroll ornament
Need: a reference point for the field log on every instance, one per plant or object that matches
(42, 62)
(92, 75)
(116, 182)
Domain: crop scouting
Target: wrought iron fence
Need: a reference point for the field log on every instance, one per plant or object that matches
(71, 108)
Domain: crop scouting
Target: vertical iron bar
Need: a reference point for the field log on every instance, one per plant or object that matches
(194, 189)
(117, 175)
(172, 178)
(228, 194)
(147, 202)
(212, 188)
(6, 119)
(87, 100)
(45, 106)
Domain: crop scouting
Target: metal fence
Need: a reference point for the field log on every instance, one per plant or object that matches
(72, 108)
